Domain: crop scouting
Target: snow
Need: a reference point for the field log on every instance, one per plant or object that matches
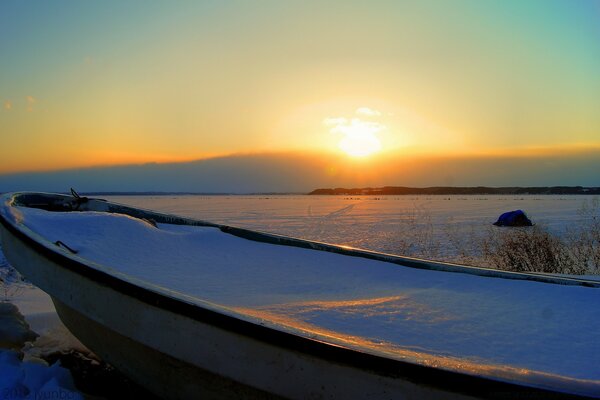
(26, 304)
(435, 227)
(14, 330)
(29, 330)
(34, 380)
(545, 334)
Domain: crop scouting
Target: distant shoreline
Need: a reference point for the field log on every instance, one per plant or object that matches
(451, 190)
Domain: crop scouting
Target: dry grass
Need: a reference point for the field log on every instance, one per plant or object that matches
(532, 249)
(584, 240)
(524, 249)
(416, 235)
(462, 245)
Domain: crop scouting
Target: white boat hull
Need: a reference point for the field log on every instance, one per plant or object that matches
(177, 357)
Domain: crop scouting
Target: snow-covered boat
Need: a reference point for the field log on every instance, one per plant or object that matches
(191, 309)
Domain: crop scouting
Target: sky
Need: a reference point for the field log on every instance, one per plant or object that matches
(104, 83)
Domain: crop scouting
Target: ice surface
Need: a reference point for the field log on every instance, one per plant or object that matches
(542, 333)
(433, 227)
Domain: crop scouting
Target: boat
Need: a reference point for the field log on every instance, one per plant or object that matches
(194, 309)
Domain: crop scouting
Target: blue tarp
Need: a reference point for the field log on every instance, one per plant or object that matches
(513, 218)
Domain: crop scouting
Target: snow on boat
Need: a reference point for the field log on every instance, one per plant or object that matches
(193, 309)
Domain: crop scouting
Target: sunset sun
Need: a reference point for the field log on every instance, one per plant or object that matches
(360, 143)
(358, 135)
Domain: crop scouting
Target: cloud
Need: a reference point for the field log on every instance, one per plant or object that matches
(303, 172)
(367, 112)
(8, 105)
(334, 121)
(357, 126)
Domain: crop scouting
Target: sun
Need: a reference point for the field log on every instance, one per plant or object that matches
(359, 137)
(360, 144)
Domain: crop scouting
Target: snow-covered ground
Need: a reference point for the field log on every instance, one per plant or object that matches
(34, 379)
(30, 330)
(390, 224)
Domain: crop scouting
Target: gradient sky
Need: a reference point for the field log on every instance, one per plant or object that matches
(112, 82)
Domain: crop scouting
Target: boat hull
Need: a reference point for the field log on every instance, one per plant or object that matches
(171, 378)
(178, 357)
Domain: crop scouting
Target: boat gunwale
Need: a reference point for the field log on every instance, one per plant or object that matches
(453, 381)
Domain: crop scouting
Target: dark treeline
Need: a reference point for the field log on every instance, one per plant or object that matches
(449, 190)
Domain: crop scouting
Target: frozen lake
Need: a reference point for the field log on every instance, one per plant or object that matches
(435, 227)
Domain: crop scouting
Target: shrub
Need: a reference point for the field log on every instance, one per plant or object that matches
(531, 249)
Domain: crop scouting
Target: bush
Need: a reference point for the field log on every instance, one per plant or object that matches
(529, 250)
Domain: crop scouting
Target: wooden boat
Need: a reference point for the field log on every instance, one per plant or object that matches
(213, 311)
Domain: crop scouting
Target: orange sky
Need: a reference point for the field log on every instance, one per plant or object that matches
(201, 80)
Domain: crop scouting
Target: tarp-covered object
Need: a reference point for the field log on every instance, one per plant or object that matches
(513, 218)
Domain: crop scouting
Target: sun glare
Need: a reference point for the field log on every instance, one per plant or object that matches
(361, 143)
(359, 137)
